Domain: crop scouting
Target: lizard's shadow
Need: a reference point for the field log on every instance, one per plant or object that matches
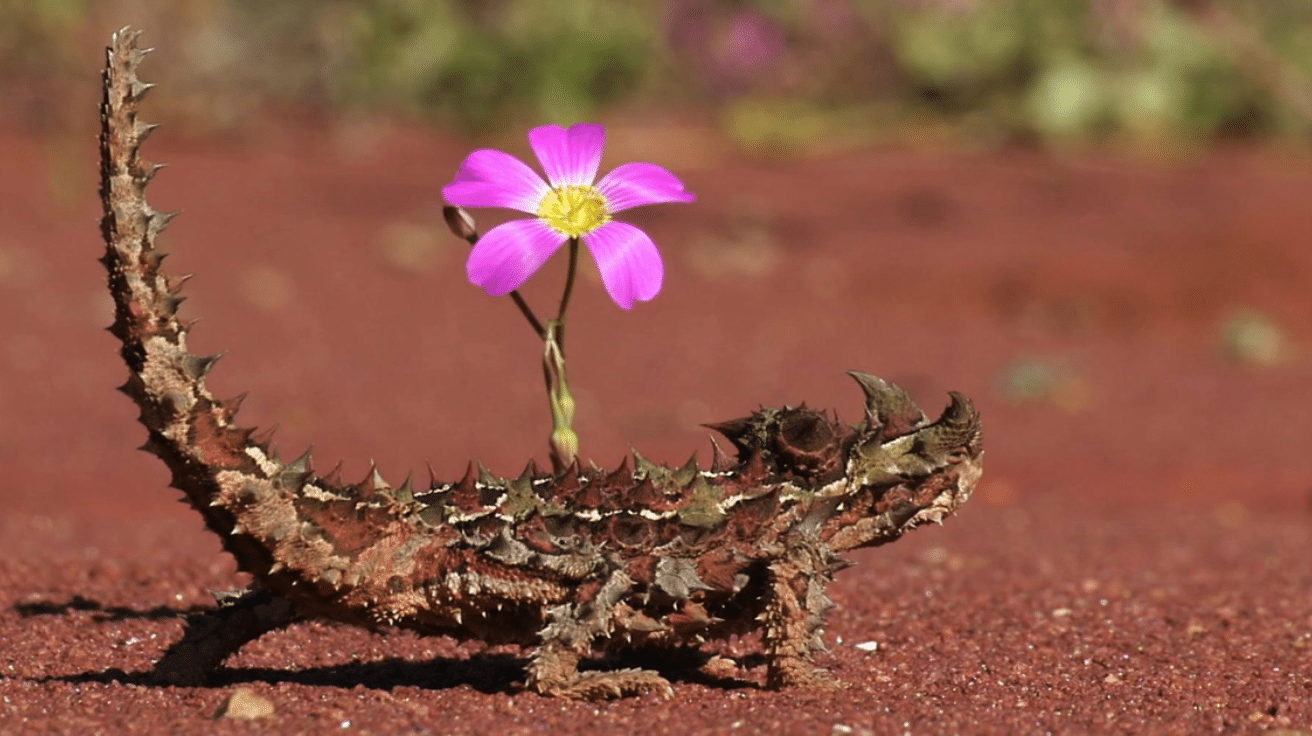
(486, 672)
(101, 612)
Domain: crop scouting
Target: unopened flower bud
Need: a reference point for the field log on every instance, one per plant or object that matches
(461, 223)
(564, 445)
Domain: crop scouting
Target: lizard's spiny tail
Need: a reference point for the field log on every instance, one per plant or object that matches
(191, 431)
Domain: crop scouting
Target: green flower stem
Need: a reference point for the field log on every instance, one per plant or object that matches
(569, 291)
(462, 224)
(564, 441)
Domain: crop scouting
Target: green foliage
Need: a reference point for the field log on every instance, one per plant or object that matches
(33, 34)
(1066, 72)
(477, 63)
(1062, 71)
(26, 26)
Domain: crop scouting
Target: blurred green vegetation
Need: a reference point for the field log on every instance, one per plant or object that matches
(772, 71)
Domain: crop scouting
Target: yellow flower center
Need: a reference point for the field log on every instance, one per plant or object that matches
(574, 209)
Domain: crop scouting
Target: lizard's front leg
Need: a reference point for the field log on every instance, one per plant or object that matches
(793, 617)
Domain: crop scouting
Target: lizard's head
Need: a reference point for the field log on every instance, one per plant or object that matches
(904, 470)
(866, 484)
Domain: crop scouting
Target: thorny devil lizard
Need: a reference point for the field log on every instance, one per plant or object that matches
(570, 563)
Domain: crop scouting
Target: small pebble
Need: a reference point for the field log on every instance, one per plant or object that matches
(245, 705)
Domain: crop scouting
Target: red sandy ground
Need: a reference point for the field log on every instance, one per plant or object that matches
(1136, 559)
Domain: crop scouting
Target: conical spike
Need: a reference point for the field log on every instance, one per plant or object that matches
(231, 406)
(294, 475)
(332, 576)
(685, 475)
(621, 475)
(699, 485)
(530, 470)
(754, 469)
(197, 366)
(368, 486)
(521, 486)
(645, 494)
(888, 405)
(432, 475)
(571, 476)
(376, 478)
(643, 466)
(738, 431)
(301, 464)
(153, 445)
(960, 413)
(175, 283)
(264, 439)
(150, 175)
(243, 435)
(334, 477)
(958, 428)
(484, 475)
(171, 303)
(720, 461)
(471, 476)
(406, 492)
(567, 483)
(140, 88)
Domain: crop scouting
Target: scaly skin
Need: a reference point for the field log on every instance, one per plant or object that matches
(569, 564)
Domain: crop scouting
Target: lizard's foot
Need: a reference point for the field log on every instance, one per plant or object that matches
(608, 685)
(797, 672)
(554, 671)
(721, 668)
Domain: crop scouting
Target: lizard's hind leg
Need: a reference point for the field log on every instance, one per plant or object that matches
(569, 635)
(213, 636)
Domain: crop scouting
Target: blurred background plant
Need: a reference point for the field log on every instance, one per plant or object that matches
(768, 71)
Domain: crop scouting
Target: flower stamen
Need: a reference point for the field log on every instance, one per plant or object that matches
(574, 209)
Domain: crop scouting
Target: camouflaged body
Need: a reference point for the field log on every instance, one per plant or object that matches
(570, 563)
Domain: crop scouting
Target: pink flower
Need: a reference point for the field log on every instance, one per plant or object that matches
(567, 205)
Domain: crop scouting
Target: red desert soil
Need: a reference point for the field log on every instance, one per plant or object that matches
(1136, 559)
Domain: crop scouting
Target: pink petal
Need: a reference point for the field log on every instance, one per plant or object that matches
(509, 253)
(569, 156)
(630, 265)
(492, 178)
(637, 184)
